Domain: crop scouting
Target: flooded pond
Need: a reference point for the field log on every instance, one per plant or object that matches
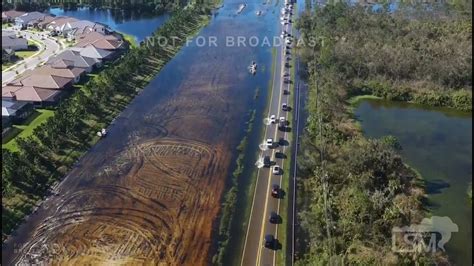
(150, 192)
(133, 24)
(438, 144)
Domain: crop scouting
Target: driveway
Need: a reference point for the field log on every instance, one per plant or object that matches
(48, 47)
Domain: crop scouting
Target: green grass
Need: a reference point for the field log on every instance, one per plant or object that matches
(6, 65)
(6, 25)
(130, 39)
(29, 53)
(25, 54)
(357, 99)
(27, 128)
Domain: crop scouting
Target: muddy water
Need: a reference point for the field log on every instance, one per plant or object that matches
(150, 191)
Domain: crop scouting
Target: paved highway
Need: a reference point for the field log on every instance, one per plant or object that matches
(254, 252)
(48, 48)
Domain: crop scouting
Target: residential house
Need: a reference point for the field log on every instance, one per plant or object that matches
(74, 29)
(45, 22)
(93, 52)
(29, 20)
(41, 80)
(8, 55)
(110, 42)
(15, 111)
(70, 57)
(61, 70)
(57, 26)
(14, 43)
(9, 16)
(37, 96)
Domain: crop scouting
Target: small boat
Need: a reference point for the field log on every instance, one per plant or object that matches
(253, 68)
(241, 8)
(104, 132)
(259, 13)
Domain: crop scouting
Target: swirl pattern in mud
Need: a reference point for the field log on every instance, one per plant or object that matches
(149, 215)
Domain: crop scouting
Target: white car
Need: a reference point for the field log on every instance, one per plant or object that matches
(273, 119)
(269, 142)
(282, 119)
(276, 170)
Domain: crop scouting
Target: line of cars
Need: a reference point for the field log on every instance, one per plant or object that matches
(283, 123)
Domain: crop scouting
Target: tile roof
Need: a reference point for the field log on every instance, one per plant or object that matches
(11, 41)
(59, 22)
(46, 21)
(70, 55)
(101, 41)
(93, 52)
(32, 16)
(29, 93)
(11, 14)
(66, 72)
(42, 81)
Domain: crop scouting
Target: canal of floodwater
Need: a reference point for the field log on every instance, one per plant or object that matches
(138, 25)
(150, 192)
(438, 144)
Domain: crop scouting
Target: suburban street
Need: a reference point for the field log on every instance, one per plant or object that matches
(48, 48)
(264, 203)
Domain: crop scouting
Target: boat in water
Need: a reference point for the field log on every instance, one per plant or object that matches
(259, 13)
(253, 68)
(241, 8)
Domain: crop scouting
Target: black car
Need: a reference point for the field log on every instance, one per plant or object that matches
(274, 218)
(266, 161)
(275, 190)
(286, 92)
(281, 141)
(284, 107)
(269, 241)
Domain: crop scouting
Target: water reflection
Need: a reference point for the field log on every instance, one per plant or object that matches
(437, 143)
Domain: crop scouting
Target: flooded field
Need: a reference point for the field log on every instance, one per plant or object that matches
(150, 192)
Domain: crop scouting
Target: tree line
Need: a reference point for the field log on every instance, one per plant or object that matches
(410, 55)
(354, 190)
(131, 6)
(44, 158)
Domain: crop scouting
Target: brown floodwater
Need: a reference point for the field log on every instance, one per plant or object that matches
(149, 193)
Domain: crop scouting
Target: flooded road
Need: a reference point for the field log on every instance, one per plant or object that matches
(150, 192)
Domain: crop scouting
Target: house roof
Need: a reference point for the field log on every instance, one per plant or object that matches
(32, 94)
(9, 108)
(101, 41)
(79, 61)
(9, 41)
(62, 63)
(11, 14)
(93, 52)
(60, 21)
(46, 21)
(32, 16)
(45, 81)
(8, 51)
(66, 72)
(9, 91)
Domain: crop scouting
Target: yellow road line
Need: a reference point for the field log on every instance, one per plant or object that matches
(259, 254)
(256, 186)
